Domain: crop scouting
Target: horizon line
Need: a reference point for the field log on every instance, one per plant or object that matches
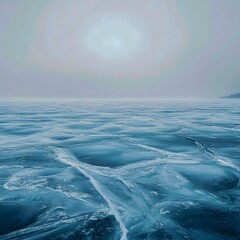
(104, 99)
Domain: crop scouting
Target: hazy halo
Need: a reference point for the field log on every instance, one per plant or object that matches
(117, 44)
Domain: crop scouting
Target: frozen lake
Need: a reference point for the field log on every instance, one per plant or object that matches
(120, 169)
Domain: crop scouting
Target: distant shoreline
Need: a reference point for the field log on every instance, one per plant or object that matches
(235, 95)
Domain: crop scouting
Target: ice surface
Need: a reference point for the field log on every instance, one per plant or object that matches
(120, 170)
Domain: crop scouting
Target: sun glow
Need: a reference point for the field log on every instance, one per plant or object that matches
(114, 37)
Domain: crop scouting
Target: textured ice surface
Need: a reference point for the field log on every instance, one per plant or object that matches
(120, 170)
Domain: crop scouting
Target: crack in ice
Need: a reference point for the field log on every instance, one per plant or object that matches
(70, 160)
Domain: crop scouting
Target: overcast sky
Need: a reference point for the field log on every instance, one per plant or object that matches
(119, 49)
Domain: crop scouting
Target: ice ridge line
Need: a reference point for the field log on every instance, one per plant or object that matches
(70, 160)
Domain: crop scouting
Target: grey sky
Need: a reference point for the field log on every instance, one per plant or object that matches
(110, 48)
